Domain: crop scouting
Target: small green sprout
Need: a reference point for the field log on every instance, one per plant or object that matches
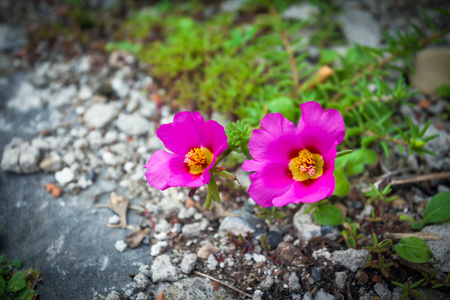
(408, 289)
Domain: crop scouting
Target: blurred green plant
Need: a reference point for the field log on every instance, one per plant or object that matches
(17, 285)
(270, 213)
(408, 289)
(380, 262)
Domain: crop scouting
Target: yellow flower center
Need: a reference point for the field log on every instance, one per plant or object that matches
(198, 159)
(306, 166)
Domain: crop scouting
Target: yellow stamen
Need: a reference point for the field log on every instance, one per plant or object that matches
(198, 159)
(306, 165)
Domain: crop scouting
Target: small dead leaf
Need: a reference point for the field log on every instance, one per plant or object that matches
(206, 250)
(215, 285)
(189, 203)
(160, 297)
(376, 278)
(342, 208)
(424, 103)
(286, 253)
(134, 239)
(320, 76)
(426, 236)
(119, 205)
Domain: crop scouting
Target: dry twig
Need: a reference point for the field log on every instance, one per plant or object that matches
(420, 178)
(223, 283)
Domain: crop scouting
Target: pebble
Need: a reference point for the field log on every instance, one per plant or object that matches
(141, 296)
(176, 228)
(194, 288)
(266, 284)
(257, 295)
(141, 281)
(134, 124)
(274, 238)
(120, 87)
(294, 283)
(206, 250)
(146, 270)
(302, 11)
(85, 93)
(114, 219)
(188, 263)
(158, 247)
(341, 279)
(330, 232)
(194, 229)
(64, 176)
(321, 295)
(163, 270)
(258, 258)
(243, 224)
(99, 115)
(382, 290)
(113, 296)
(120, 245)
(316, 274)
(304, 225)
(186, 213)
(440, 249)
(351, 258)
(212, 263)
(51, 163)
(69, 158)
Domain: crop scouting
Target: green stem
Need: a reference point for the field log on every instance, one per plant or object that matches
(222, 156)
(214, 189)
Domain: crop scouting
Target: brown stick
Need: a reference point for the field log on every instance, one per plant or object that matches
(223, 283)
(426, 177)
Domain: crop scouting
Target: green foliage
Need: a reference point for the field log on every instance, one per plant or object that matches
(444, 90)
(378, 248)
(408, 289)
(328, 215)
(270, 213)
(238, 134)
(350, 234)
(379, 195)
(437, 210)
(414, 250)
(17, 285)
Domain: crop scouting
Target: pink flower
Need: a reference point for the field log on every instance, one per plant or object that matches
(195, 146)
(294, 164)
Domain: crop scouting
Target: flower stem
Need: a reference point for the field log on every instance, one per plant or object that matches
(222, 156)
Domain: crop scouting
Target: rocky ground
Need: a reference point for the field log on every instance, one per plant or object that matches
(75, 135)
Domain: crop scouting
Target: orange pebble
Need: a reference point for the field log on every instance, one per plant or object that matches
(189, 203)
(56, 192)
(50, 187)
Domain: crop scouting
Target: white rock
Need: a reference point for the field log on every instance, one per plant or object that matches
(186, 213)
(158, 247)
(85, 93)
(212, 262)
(128, 167)
(120, 87)
(64, 176)
(69, 158)
(302, 11)
(99, 114)
(194, 229)
(114, 219)
(351, 258)
(120, 245)
(51, 163)
(163, 270)
(134, 124)
(188, 263)
(259, 257)
(304, 225)
(109, 158)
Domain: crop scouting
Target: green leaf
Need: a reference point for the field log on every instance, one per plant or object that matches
(27, 294)
(438, 209)
(283, 105)
(407, 218)
(328, 215)
(342, 185)
(414, 250)
(17, 282)
(17, 263)
(344, 152)
(2, 286)
(356, 161)
(209, 197)
(214, 189)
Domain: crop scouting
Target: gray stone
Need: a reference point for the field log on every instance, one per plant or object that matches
(146, 270)
(20, 157)
(113, 296)
(29, 158)
(194, 289)
(141, 281)
(231, 5)
(99, 115)
(120, 245)
(186, 213)
(440, 146)
(141, 296)
(134, 124)
(243, 224)
(163, 270)
(321, 295)
(360, 26)
(296, 297)
(114, 219)
(316, 274)
(120, 87)
(212, 263)
(158, 248)
(307, 296)
(294, 283)
(194, 229)
(304, 225)
(188, 263)
(51, 163)
(440, 249)
(382, 290)
(351, 258)
(302, 11)
(64, 176)
(10, 158)
(341, 279)
(266, 284)
(397, 294)
(257, 295)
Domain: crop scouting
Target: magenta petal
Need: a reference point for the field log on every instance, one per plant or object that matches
(180, 175)
(319, 129)
(180, 136)
(157, 174)
(271, 181)
(212, 134)
(251, 165)
(276, 141)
